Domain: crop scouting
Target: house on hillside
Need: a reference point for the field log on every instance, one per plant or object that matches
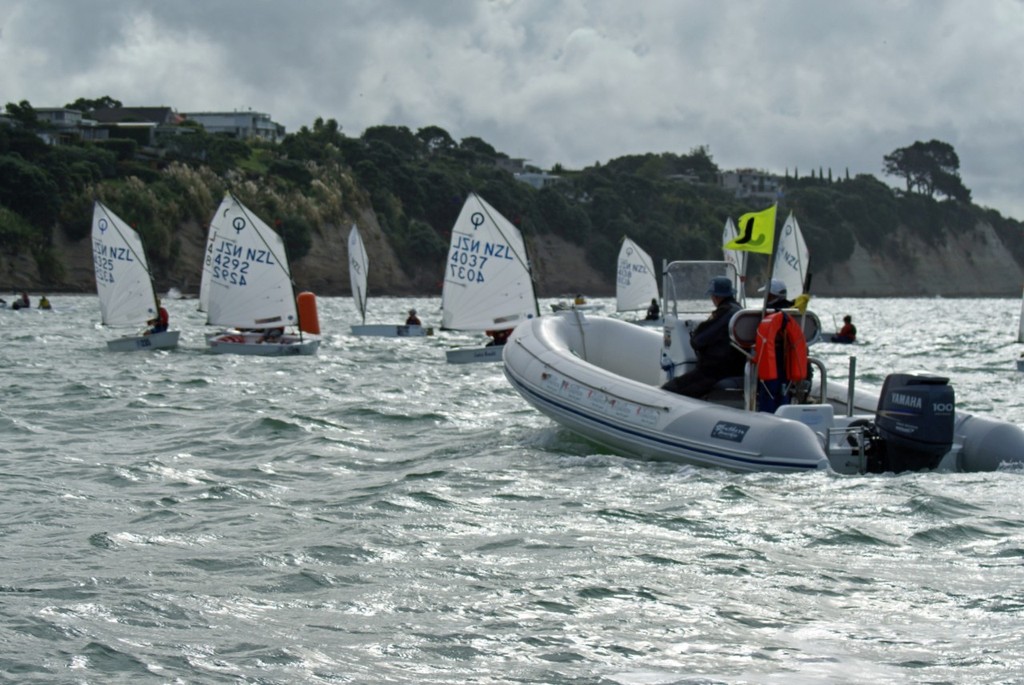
(145, 125)
(65, 125)
(247, 125)
(753, 184)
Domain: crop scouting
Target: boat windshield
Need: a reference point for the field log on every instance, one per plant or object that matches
(686, 285)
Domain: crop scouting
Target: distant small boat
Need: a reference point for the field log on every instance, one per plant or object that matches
(579, 303)
(488, 286)
(247, 289)
(358, 272)
(636, 283)
(124, 284)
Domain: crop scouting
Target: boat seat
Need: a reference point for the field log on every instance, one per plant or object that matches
(744, 323)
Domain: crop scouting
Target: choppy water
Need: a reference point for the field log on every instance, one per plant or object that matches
(373, 515)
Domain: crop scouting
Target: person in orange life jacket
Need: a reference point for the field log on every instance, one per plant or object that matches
(848, 333)
(716, 356)
(413, 320)
(780, 354)
(160, 322)
(777, 295)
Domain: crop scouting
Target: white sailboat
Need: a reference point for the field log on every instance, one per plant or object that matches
(124, 284)
(738, 259)
(636, 283)
(487, 280)
(358, 272)
(247, 288)
(792, 260)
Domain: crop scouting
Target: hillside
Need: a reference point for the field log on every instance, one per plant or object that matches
(405, 189)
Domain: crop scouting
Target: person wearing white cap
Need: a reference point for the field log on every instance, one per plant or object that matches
(777, 295)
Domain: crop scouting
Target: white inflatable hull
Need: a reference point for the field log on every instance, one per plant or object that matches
(383, 330)
(155, 341)
(600, 378)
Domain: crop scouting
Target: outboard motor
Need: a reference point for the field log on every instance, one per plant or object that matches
(913, 423)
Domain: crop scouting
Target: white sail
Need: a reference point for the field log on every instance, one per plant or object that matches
(204, 281)
(250, 285)
(636, 283)
(357, 270)
(791, 258)
(123, 281)
(487, 283)
(738, 258)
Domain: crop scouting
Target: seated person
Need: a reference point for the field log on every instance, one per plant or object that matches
(160, 322)
(580, 300)
(22, 302)
(413, 320)
(498, 337)
(44, 302)
(654, 311)
(846, 334)
(272, 335)
(716, 356)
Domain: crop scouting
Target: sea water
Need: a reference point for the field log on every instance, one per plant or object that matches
(375, 515)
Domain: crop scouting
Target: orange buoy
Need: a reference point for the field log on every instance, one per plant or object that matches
(309, 321)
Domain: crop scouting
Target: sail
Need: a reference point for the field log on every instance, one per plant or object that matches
(250, 285)
(357, 270)
(636, 283)
(791, 258)
(487, 283)
(737, 258)
(123, 281)
(204, 281)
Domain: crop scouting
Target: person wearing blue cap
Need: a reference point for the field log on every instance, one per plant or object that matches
(716, 357)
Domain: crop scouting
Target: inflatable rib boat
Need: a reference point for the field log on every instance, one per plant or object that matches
(600, 377)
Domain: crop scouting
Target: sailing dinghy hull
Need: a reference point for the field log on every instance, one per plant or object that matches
(384, 330)
(473, 355)
(155, 341)
(249, 344)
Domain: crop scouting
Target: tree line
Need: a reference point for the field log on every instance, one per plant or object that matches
(415, 181)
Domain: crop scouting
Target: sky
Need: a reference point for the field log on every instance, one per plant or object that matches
(777, 85)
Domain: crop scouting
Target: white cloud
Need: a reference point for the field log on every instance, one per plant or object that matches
(774, 85)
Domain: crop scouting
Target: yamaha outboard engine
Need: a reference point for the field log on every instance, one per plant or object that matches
(913, 424)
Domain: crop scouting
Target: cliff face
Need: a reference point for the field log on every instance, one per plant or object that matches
(975, 264)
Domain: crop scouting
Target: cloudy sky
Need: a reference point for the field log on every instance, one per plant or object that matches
(770, 84)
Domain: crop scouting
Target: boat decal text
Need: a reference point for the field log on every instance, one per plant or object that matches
(601, 402)
(469, 255)
(105, 258)
(726, 430)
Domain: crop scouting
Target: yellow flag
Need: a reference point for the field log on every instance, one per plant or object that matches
(756, 232)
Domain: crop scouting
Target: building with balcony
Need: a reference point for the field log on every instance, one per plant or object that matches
(246, 125)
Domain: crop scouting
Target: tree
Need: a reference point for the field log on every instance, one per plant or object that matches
(436, 139)
(23, 113)
(928, 168)
(86, 106)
